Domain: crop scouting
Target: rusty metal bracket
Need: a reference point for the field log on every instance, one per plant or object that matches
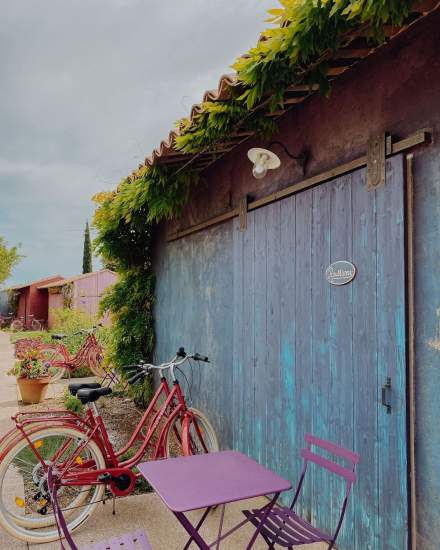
(376, 162)
(242, 212)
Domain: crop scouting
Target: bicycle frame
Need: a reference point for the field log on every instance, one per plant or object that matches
(72, 362)
(93, 427)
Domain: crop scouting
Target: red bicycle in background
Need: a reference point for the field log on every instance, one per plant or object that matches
(81, 457)
(90, 354)
(26, 323)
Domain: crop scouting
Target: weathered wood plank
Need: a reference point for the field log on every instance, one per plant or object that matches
(340, 407)
(393, 495)
(365, 366)
(304, 390)
(247, 384)
(289, 424)
(260, 328)
(321, 376)
(273, 409)
(238, 404)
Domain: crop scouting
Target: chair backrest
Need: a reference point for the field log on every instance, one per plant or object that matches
(347, 472)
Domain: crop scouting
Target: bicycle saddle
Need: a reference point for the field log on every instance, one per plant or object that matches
(58, 336)
(87, 395)
(74, 387)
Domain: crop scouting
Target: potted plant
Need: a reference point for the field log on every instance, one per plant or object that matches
(32, 376)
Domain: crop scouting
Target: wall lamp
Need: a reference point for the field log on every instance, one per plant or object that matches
(264, 160)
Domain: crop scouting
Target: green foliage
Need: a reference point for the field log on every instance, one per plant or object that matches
(87, 251)
(71, 402)
(217, 120)
(67, 293)
(13, 298)
(9, 257)
(68, 321)
(130, 302)
(305, 31)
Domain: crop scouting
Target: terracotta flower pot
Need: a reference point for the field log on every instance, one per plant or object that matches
(33, 390)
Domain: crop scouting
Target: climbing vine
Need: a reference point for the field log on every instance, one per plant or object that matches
(67, 293)
(295, 49)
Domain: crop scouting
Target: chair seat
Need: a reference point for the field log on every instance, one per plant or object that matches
(286, 528)
(130, 541)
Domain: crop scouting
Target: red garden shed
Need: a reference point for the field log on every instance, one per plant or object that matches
(32, 302)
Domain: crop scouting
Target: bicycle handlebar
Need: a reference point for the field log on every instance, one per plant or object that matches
(142, 368)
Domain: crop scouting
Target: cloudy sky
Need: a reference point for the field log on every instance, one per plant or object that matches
(87, 89)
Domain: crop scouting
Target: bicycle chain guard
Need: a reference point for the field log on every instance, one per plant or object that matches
(120, 480)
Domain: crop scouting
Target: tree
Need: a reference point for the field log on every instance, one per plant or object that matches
(87, 253)
(9, 257)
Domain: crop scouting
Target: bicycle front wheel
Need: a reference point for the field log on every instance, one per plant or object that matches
(25, 508)
(190, 435)
(36, 325)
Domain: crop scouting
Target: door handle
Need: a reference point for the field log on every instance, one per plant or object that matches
(385, 389)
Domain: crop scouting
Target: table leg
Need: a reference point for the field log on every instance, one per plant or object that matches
(192, 531)
(263, 518)
(220, 527)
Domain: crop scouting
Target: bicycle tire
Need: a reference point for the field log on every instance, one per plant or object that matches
(172, 446)
(36, 325)
(42, 528)
(17, 325)
(56, 359)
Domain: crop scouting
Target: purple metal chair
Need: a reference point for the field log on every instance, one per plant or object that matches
(130, 541)
(286, 528)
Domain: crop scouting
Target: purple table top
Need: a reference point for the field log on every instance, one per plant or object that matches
(200, 481)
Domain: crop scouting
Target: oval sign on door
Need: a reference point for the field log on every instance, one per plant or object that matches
(340, 273)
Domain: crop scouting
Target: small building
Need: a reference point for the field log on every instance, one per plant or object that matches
(245, 275)
(32, 302)
(81, 293)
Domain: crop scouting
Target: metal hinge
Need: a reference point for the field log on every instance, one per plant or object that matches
(376, 162)
(242, 212)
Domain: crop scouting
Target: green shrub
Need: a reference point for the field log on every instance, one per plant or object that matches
(68, 321)
(71, 402)
(81, 372)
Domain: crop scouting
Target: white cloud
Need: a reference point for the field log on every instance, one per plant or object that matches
(87, 90)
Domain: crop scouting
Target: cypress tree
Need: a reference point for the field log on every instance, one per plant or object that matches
(87, 253)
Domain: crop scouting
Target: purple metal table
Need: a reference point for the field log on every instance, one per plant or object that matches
(205, 481)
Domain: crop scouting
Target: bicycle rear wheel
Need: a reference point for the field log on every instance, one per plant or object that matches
(17, 325)
(25, 508)
(193, 434)
(52, 355)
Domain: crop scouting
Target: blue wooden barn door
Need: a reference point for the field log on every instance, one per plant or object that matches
(313, 357)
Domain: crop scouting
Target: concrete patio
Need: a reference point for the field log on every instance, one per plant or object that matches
(141, 511)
